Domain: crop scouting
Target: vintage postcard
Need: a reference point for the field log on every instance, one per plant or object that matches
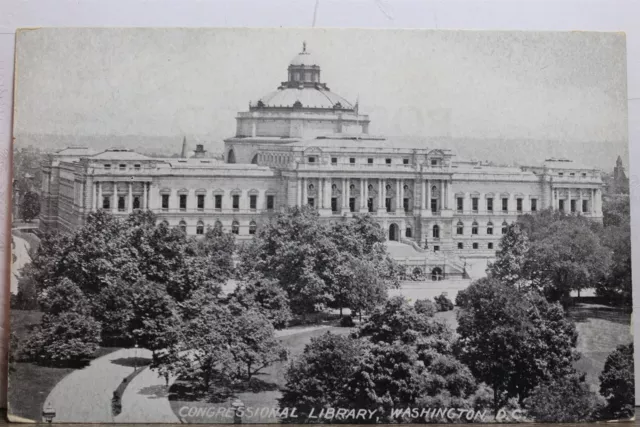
(320, 226)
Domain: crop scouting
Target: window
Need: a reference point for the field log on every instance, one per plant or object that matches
(405, 161)
(334, 160)
(136, 166)
(183, 226)
(534, 205)
(236, 201)
(107, 166)
(106, 202)
(560, 173)
(460, 228)
(584, 175)
(519, 205)
(434, 162)
(475, 245)
(407, 232)
(584, 205)
(405, 204)
(460, 203)
(253, 201)
(235, 227)
(200, 202)
(165, 201)
(460, 245)
(121, 203)
(183, 202)
(436, 232)
(311, 202)
(370, 204)
(474, 228)
(561, 205)
(200, 227)
(352, 204)
(490, 245)
(574, 206)
(436, 248)
(387, 161)
(434, 205)
(136, 202)
(490, 204)
(270, 202)
(312, 159)
(474, 204)
(352, 160)
(370, 161)
(252, 227)
(218, 201)
(123, 166)
(572, 174)
(334, 204)
(388, 204)
(505, 204)
(504, 228)
(490, 228)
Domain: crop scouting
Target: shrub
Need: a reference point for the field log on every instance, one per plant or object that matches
(616, 383)
(443, 303)
(347, 322)
(425, 307)
(563, 400)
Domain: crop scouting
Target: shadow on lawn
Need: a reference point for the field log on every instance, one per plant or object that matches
(583, 312)
(186, 391)
(132, 362)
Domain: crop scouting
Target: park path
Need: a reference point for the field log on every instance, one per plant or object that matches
(21, 252)
(85, 395)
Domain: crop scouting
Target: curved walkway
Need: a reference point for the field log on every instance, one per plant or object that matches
(21, 251)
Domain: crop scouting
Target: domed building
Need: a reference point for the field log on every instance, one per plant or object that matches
(303, 107)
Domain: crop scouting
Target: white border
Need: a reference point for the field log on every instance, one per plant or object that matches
(586, 15)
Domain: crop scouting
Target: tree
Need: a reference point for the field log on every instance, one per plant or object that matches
(425, 307)
(563, 400)
(364, 288)
(617, 383)
(616, 287)
(30, 206)
(513, 340)
(511, 258)
(266, 296)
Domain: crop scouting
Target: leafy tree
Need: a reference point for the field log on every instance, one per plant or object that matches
(266, 296)
(30, 206)
(615, 211)
(511, 258)
(563, 400)
(512, 340)
(27, 297)
(616, 236)
(65, 297)
(617, 383)
(425, 307)
(364, 288)
(443, 303)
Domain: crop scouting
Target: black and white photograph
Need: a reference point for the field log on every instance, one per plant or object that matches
(234, 225)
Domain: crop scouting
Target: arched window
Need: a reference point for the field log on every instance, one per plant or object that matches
(407, 232)
(218, 224)
(504, 227)
(183, 226)
(252, 227)
(254, 161)
(231, 158)
(436, 232)
(235, 227)
(460, 228)
(200, 227)
(474, 228)
(436, 274)
(490, 228)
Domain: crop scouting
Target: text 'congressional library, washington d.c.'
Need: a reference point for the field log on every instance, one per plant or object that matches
(305, 145)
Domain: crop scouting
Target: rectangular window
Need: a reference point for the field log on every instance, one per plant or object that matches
(474, 204)
(387, 161)
(519, 205)
(183, 202)
(334, 204)
(311, 202)
(352, 204)
(123, 167)
(388, 204)
(475, 246)
(253, 201)
(474, 229)
(136, 202)
(584, 175)
(200, 201)
(107, 166)
(405, 204)
(572, 174)
(573, 205)
(236, 201)
(165, 201)
(436, 248)
(490, 205)
(460, 204)
(460, 245)
(405, 161)
(352, 160)
(106, 202)
(334, 160)
(370, 161)
(312, 159)
(370, 204)
(434, 205)
(560, 173)
(505, 205)
(584, 205)
(490, 245)
(218, 201)
(434, 162)
(136, 166)
(561, 205)
(534, 205)
(121, 203)
(271, 201)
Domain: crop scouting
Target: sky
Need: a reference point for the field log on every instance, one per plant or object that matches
(568, 88)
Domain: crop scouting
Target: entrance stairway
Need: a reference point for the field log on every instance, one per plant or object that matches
(408, 253)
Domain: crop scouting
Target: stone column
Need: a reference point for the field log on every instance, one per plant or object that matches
(399, 195)
(94, 196)
(425, 203)
(299, 195)
(99, 184)
(381, 195)
(130, 198)
(428, 206)
(114, 202)
(579, 208)
(598, 202)
(145, 194)
(305, 195)
(442, 195)
(327, 190)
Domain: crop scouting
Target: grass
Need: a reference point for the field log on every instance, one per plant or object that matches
(30, 384)
(273, 378)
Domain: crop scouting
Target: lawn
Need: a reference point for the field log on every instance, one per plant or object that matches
(273, 379)
(30, 384)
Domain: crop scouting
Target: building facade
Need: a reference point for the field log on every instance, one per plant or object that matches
(305, 145)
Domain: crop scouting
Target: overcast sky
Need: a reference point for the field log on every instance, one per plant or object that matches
(565, 87)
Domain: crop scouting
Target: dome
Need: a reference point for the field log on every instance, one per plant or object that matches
(308, 97)
(304, 57)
